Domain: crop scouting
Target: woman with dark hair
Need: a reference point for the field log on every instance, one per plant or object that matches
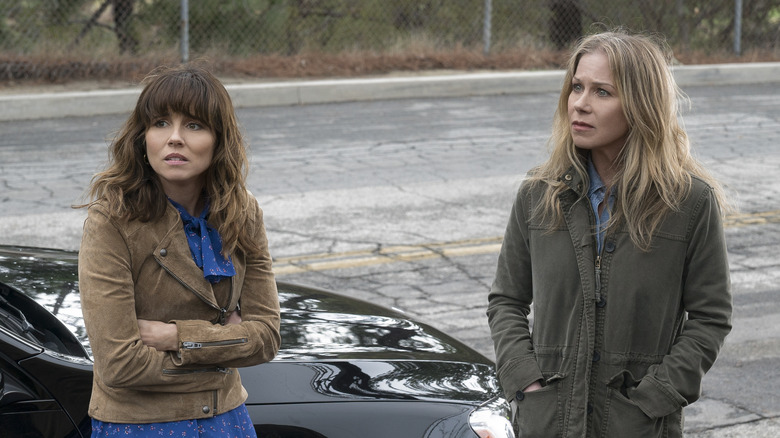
(616, 244)
(174, 271)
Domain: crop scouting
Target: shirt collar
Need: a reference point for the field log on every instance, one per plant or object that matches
(596, 183)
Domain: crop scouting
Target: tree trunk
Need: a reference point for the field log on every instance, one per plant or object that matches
(565, 23)
(123, 10)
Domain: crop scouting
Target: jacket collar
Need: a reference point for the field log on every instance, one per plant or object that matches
(573, 180)
(173, 254)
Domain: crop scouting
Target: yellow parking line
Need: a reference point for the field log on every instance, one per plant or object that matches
(758, 218)
(391, 254)
(408, 253)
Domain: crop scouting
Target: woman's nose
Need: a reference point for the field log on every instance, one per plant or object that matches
(581, 102)
(176, 137)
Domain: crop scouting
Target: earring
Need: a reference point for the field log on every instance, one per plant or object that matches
(146, 160)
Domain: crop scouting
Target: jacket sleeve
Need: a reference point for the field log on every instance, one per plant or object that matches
(107, 292)
(509, 304)
(706, 299)
(257, 338)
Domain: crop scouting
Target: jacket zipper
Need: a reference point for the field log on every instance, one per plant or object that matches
(196, 345)
(598, 278)
(222, 311)
(197, 371)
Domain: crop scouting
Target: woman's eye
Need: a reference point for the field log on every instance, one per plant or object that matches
(603, 93)
(160, 123)
(576, 87)
(194, 126)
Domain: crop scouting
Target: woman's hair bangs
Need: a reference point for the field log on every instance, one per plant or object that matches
(184, 92)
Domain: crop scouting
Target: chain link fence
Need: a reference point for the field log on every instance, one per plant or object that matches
(62, 40)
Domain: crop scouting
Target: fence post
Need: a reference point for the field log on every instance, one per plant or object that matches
(738, 27)
(682, 18)
(185, 31)
(486, 31)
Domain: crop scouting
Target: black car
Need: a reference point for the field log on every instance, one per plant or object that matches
(347, 368)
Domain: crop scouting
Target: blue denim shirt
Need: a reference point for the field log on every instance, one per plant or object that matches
(596, 194)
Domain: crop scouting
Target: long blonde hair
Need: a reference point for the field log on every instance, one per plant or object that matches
(655, 166)
(130, 187)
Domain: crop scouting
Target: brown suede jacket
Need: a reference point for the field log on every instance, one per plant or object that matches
(130, 270)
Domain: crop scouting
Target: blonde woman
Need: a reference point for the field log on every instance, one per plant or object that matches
(616, 244)
(174, 271)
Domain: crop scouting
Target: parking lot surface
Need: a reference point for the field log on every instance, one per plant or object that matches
(404, 202)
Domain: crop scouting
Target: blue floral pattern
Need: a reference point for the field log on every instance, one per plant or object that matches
(205, 245)
(231, 424)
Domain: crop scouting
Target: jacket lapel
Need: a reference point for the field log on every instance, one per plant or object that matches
(173, 254)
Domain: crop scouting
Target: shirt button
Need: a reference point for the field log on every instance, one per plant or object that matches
(596, 356)
(206, 409)
(567, 177)
(519, 396)
(610, 246)
(163, 252)
(601, 302)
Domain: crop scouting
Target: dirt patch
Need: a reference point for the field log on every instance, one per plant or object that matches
(20, 75)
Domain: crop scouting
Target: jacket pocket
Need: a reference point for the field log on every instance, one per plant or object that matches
(536, 414)
(623, 417)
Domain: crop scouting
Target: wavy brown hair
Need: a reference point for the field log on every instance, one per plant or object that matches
(655, 167)
(132, 190)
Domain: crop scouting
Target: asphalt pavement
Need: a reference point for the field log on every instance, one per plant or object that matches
(345, 161)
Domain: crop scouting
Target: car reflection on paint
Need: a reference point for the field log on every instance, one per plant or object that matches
(347, 368)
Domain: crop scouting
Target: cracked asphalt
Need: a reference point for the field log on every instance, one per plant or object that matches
(404, 202)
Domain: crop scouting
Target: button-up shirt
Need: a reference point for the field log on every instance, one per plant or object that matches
(596, 194)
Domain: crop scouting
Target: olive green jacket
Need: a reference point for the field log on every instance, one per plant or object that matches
(130, 270)
(620, 351)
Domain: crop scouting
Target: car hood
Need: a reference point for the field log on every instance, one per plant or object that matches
(322, 325)
(317, 325)
(369, 380)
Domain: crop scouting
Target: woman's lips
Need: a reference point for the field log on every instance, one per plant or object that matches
(175, 159)
(580, 126)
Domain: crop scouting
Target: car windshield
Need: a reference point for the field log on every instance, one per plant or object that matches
(50, 282)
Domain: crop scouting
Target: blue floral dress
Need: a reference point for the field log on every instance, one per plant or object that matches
(231, 424)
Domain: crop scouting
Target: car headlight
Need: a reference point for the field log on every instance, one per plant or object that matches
(492, 420)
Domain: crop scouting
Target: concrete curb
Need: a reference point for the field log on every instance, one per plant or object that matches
(88, 103)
